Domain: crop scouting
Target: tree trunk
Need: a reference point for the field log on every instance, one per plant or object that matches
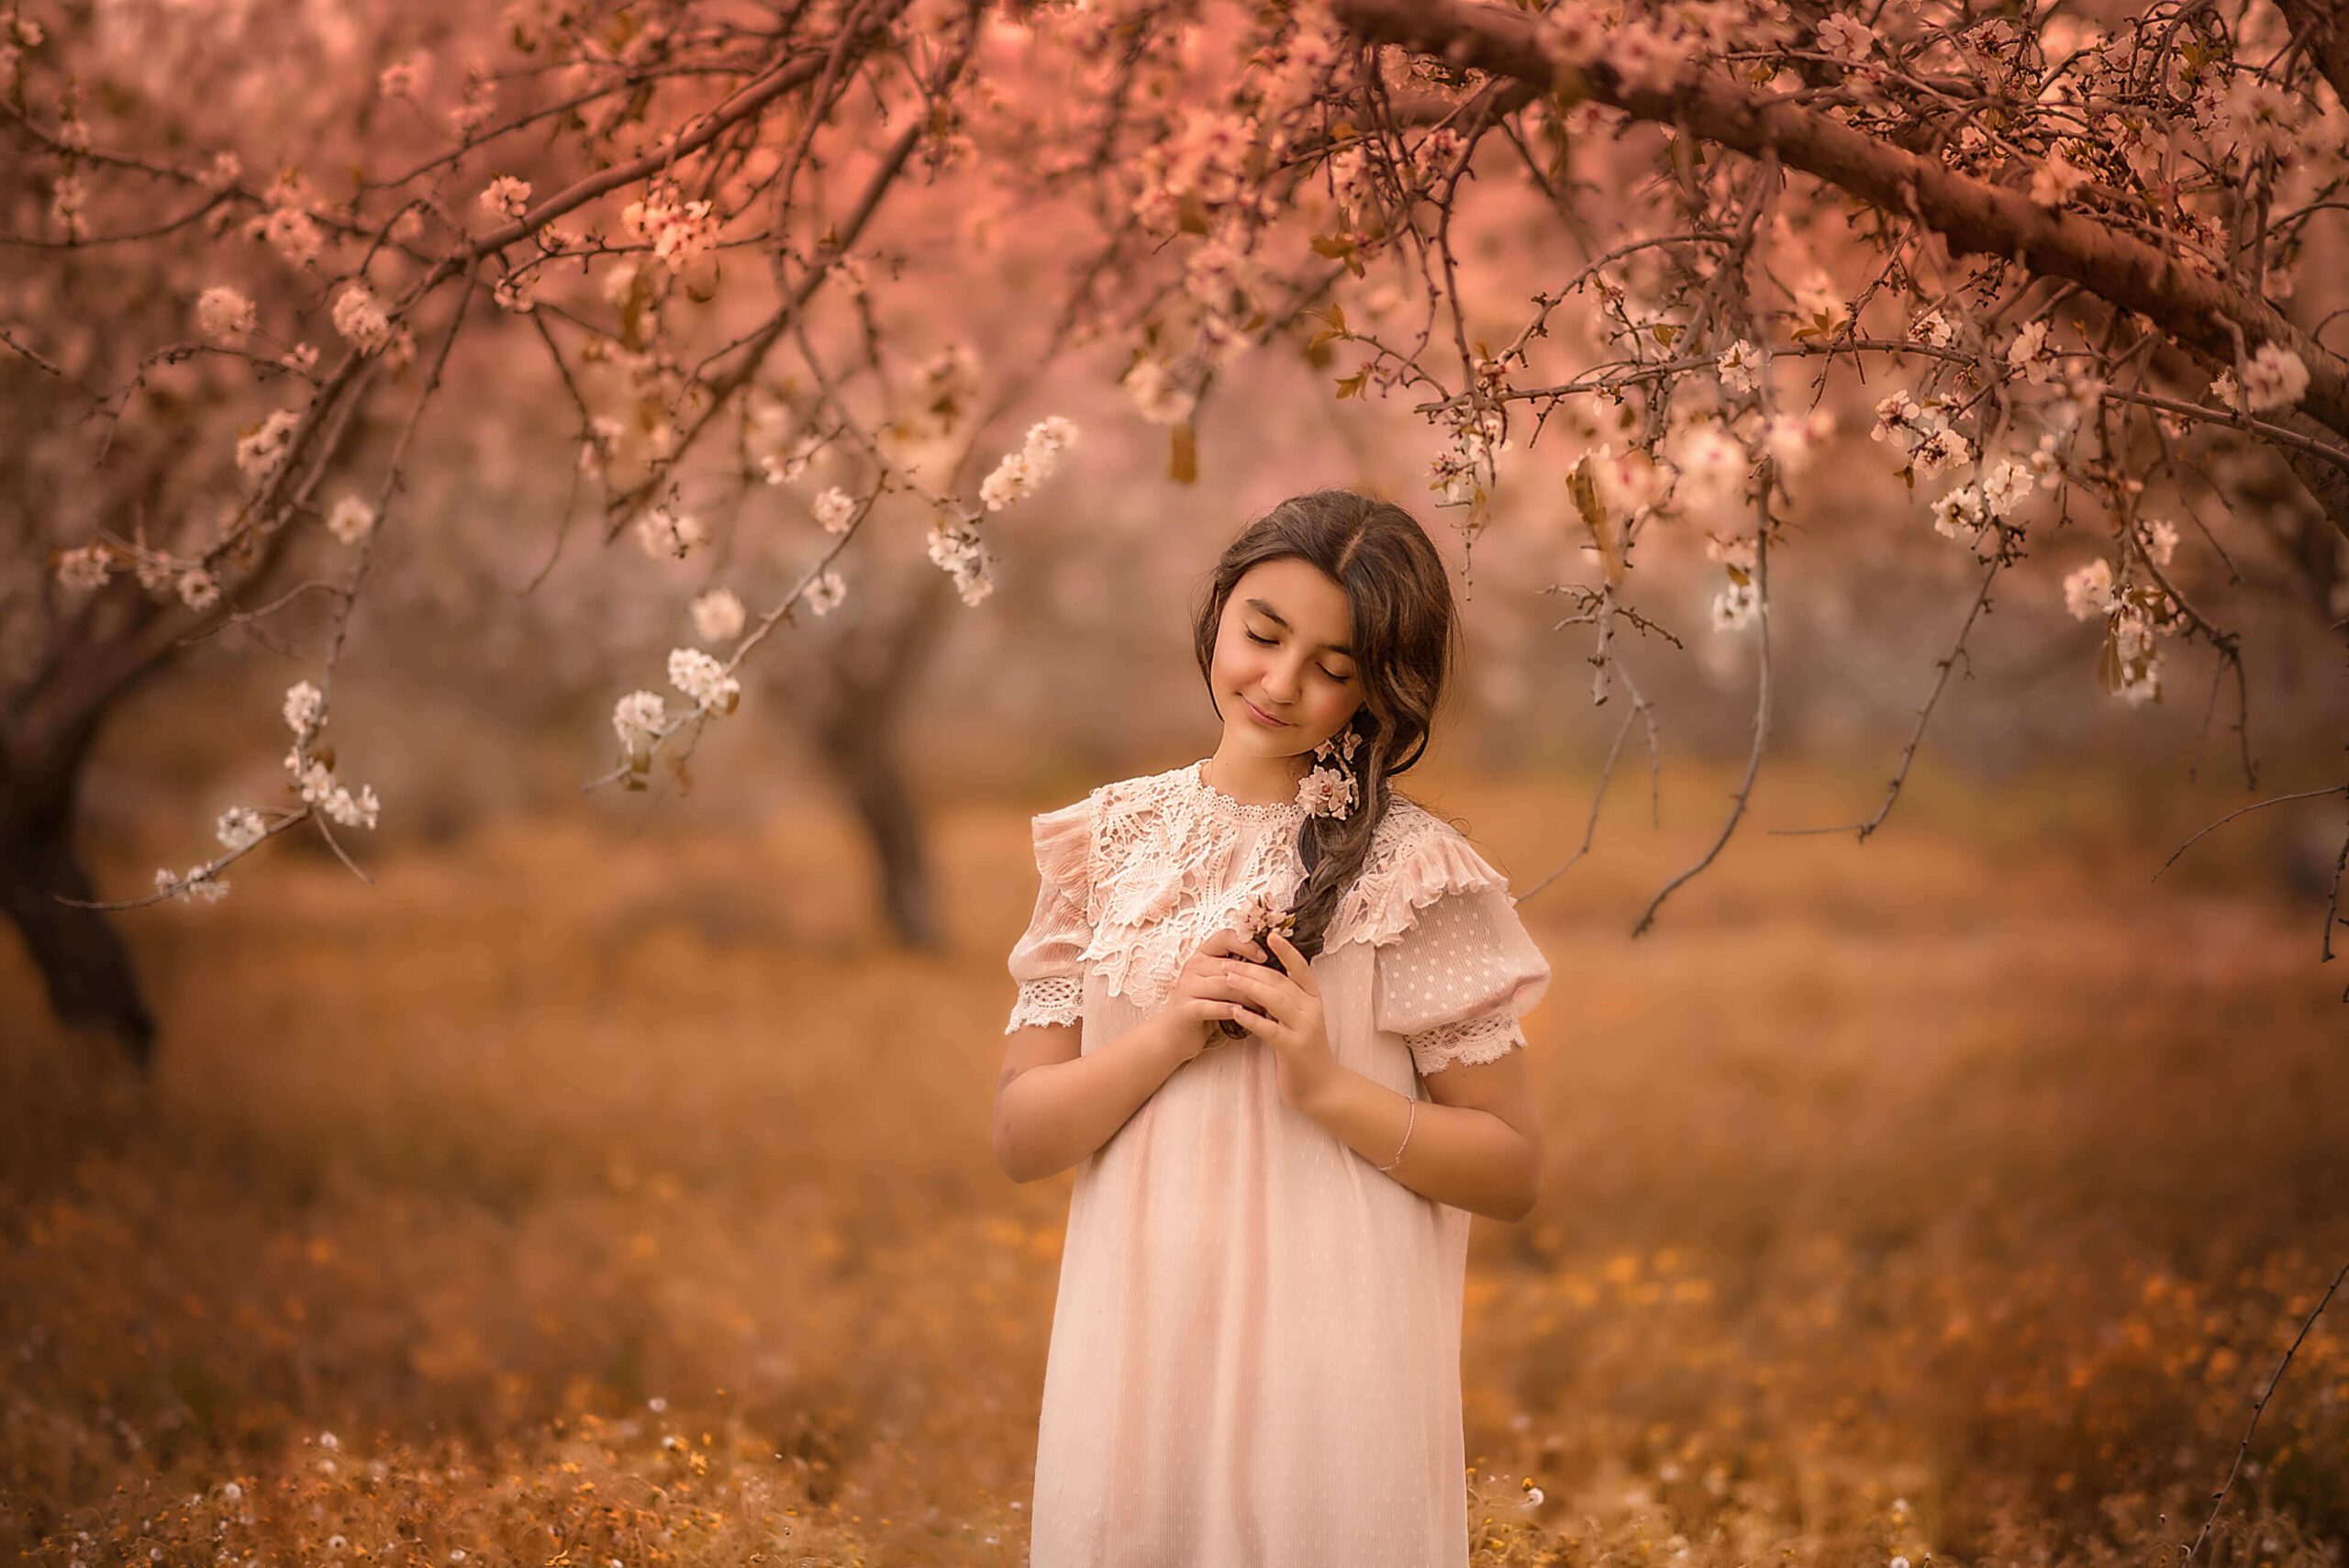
(856, 720)
(82, 961)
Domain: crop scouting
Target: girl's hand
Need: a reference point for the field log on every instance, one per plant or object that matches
(1285, 1011)
(1204, 995)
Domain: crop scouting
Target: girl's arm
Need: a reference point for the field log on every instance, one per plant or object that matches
(1054, 1105)
(1475, 1144)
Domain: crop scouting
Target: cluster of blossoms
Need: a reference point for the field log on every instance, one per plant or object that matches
(506, 197)
(1018, 476)
(679, 231)
(1921, 432)
(312, 777)
(1455, 472)
(259, 449)
(637, 719)
(2273, 377)
(1740, 600)
(835, 509)
(956, 548)
(2132, 665)
(359, 316)
(1326, 792)
(87, 568)
(668, 534)
(1966, 510)
(705, 680)
(286, 226)
(225, 316)
(1158, 392)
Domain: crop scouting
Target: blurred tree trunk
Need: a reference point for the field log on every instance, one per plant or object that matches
(47, 728)
(867, 684)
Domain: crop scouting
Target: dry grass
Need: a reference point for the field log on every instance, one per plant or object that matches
(627, 1199)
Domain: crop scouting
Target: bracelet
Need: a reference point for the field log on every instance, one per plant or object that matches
(1407, 1122)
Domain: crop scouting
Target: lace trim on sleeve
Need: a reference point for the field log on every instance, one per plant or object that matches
(1055, 999)
(1487, 1038)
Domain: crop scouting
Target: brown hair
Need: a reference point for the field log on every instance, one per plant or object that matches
(1404, 642)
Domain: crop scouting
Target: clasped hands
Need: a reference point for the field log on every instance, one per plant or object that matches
(1231, 976)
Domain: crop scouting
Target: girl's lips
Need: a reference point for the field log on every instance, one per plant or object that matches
(1265, 719)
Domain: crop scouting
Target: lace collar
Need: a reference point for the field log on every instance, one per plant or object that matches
(1214, 800)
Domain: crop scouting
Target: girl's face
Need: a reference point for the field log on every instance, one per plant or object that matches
(1284, 673)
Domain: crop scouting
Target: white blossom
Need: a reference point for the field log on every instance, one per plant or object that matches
(239, 827)
(198, 590)
(2274, 377)
(1326, 792)
(956, 548)
(506, 197)
(1712, 467)
(1017, 476)
(664, 532)
(303, 706)
(2005, 485)
(1958, 512)
(224, 315)
(704, 679)
(2029, 356)
(717, 616)
(825, 592)
(291, 233)
(1162, 399)
(1792, 439)
(350, 810)
(835, 508)
(1846, 38)
(2160, 539)
(2223, 391)
(197, 883)
(2052, 182)
(69, 201)
(679, 231)
(2087, 592)
(1736, 604)
(1741, 362)
(258, 452)
(638, 719)
(2140, 661)
(84, 570)
(350, 519)
(400, 78)
(360, 318)
(1933, 327)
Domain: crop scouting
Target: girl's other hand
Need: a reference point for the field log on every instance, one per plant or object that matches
(1283, 1010)
(1206, 995)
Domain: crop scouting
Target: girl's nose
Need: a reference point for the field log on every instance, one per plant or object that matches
(1280, 681)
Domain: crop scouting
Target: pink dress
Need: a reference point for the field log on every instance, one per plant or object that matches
(1255, 1351)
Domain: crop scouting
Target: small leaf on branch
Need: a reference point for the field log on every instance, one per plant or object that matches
(1350, 386)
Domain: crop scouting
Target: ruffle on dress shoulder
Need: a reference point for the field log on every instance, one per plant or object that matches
(1415, 859)
(1049, 959)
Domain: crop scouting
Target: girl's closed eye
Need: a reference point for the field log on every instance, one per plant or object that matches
(1274, 642)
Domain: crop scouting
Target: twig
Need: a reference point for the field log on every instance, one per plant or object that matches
(2254, 805)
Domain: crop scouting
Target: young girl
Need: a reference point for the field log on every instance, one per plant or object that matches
(1255, 1353)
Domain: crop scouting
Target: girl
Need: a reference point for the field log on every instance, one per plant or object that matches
(1255, 1352)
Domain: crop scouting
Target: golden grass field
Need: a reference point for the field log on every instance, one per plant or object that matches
(579, 1195)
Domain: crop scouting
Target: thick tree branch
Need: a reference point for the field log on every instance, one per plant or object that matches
(2197, 309)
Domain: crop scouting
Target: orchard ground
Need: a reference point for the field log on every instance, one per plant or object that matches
(578, 1195)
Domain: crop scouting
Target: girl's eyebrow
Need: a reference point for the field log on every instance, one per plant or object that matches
(1274, 615)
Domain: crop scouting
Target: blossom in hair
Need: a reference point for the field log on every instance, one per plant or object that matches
(1260, 916)
(1326, 792)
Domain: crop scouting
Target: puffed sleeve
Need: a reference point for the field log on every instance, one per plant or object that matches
(1045, 960)
(1456, 980)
